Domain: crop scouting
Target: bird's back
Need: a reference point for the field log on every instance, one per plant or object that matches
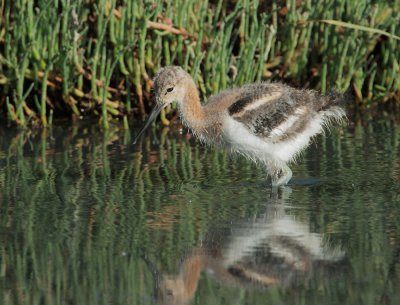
(272, 120)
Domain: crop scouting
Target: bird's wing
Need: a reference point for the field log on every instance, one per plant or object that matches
(269, 111)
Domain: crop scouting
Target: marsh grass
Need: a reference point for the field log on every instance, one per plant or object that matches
(97, 58)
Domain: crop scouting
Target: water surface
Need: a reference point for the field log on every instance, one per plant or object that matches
(88, 218)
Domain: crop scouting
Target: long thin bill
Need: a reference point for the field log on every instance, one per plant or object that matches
(156, 275)
(153, 115)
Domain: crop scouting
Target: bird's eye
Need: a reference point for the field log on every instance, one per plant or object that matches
(170, 89)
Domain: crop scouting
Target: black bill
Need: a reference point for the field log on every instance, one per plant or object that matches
(153, 115)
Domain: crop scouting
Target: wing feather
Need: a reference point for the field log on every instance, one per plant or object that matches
(268, 111)
(277, 112)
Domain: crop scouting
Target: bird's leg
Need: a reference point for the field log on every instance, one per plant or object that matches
(282, 178)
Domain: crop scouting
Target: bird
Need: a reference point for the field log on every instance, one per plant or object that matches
(274, 250)
(269, 123)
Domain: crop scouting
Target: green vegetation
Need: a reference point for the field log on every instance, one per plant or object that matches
(97, 58)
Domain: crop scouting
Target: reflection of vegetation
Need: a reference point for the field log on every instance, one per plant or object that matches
(98, 57)
(79, 209)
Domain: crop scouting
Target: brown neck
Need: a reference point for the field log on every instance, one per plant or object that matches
(191, 270)
(191, 109)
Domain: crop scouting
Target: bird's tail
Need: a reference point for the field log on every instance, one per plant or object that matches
(334, 99)
(333, 106)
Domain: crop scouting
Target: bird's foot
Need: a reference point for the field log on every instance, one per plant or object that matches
(283, 178)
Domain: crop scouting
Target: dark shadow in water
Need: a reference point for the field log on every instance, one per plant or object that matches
(309, 181)
(270, 250)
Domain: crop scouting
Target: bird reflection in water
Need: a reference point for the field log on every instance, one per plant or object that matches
(273, 250)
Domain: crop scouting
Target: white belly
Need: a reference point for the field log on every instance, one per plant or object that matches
(273, 154)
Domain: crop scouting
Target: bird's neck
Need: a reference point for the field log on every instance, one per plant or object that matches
(191, 110)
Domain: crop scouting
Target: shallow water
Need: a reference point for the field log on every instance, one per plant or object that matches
(88, 218)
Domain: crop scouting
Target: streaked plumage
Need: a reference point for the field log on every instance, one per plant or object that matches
(268, 123)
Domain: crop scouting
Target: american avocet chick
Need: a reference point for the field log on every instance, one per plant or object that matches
(269, 123)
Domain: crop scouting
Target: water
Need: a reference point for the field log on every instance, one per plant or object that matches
(87, 218)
